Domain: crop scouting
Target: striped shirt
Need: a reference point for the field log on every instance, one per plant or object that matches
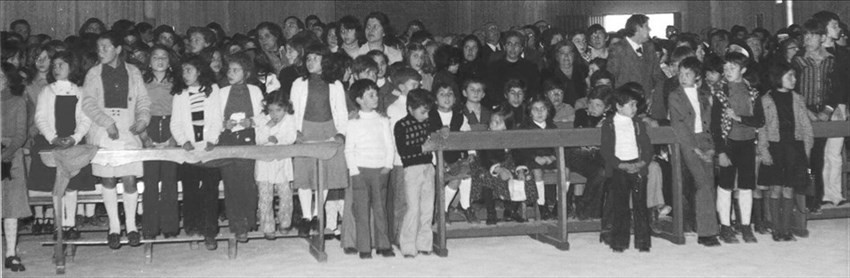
(196, 107)
(813, 80)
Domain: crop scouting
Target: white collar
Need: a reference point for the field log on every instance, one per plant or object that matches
(368, 115)
(541, 125)
(634, 45)
(690, 90)
(63, 87)
(620, 118)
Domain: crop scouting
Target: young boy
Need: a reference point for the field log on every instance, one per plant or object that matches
(736, 114)
(369, 154)
(411, 132)
(477, 115)
(690, 117)
(627, 151)
(405, 80)
(659, 108)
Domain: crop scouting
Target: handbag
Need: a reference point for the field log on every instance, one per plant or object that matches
(516, 188)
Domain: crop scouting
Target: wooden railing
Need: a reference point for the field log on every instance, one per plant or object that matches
(321, 151)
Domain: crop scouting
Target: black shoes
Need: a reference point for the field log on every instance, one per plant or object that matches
(618, 249)
(71, 233)
(14, 263)
(761, 227)
(134, 239)
(386, 253)
(747, 234)
(114, 241)
(365, 255)
(349, 251)
(425, 253)
(469, 213)
(643, 250)
(708, 241)
(491, 220)
(727, 235)
(783, 236)
(210, 243)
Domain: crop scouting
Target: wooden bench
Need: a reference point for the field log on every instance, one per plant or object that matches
(827, 130)
(321, 151)
(554, 233)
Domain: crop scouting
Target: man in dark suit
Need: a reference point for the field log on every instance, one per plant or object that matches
(633, 60)
(492, 49)
(511, 66)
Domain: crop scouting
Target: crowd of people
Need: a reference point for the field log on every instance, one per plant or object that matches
(740, 103)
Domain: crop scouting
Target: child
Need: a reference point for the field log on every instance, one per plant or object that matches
(57, 129)
(239, 104)
(410, 133)
(477, 115)
(417, 58)
(736, 115)
(195, 124)
(275, 127)
(404, 80)
(540, 159)
(659, 109)
(627, 151)
(514, 101)
(369, 153)
(563, 112)
(14, 192)
(116, 101)
(160, 201)
(784, 142)
(447, 118)
(586, 160)
(690, 117)
(318, 99)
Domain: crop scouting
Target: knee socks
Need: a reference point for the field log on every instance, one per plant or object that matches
(541, 193)
(131, 200)
(745, 204)
(450, 195)
(110, 201)
(69, 202)
(465, 189)
(779, 225)
(787, 214)
(11, 227)
(724, 205)
(305, 196)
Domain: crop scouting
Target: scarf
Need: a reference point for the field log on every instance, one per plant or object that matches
(721, 92)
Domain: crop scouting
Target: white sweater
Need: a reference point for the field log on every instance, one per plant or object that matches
(181, 118)
(45, 112)
(276, 171)
(369, 142)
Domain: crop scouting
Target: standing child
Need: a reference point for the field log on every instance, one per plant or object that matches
(195, 124)
(14, 192)
(239, 104)
(784, 142)
(369, 153)
(690, 117)
(736, 114)
(57, 129)
(116, 101)
(417, 59)
(627, 151)
(275, 127)
(537, 160)
(318, 99)
(411, 132)
(161, 212)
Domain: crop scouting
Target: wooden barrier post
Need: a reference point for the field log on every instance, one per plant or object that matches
(59, 248)
(440, 235)
(557, 236)
(317, 243)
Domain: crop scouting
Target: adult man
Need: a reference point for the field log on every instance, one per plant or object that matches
(512, 65)
(634, 60)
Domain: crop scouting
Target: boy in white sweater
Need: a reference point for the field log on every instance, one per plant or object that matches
(369, 153)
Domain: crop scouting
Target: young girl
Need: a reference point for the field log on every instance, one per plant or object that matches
(447, 118)
(491, 170)
(215, 58)
(14, 196)
(195, 124)
(541, 159)
(784, 144)
(275, 127)
(416, 58)
(160, 201)
(294, 50)
(59, 100)
(555, 93)
(318, 100)
(239, 104)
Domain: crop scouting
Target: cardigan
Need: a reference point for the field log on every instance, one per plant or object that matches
(369, 142)
(93, 105)
(769, 132)
(181, 118)
(46, 104)
(609, 137)
(339, 111)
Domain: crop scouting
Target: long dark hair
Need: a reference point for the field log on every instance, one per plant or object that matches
(206, 78)
(14, 79)
(75, 74)
(148, 76)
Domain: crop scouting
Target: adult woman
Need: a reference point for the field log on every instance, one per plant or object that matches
(568, 72)
(377, 29)
(271, 37)
(472, 65)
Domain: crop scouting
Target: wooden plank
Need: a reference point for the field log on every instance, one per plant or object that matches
(831, 129)
(465, 230)
(323, 150)
(518, 139)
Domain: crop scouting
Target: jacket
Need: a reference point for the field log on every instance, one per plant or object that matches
(682, 116)
(769, 132)
(181, 118)
(93, 105)
(339, 110)
(45, 111)
(609, 139)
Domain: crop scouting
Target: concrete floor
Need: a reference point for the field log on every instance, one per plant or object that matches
(825, 253)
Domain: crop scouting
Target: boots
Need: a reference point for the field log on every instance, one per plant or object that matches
(758, 217)
(516, 212)
(779, 226)
(795, 220)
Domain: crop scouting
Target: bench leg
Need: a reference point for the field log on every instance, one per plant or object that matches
(70, 252)
(439, 243)
(557, 235)
(148, 252)
(231, 248)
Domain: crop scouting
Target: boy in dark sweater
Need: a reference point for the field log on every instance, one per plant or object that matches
(410, 133)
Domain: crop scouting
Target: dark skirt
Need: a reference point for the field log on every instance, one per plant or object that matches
(41, 177)
(789, 167)
(336, 172)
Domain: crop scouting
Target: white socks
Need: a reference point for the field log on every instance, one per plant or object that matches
(745, 203)
(333, 209)
(69, 215)
(724, 205)
(465, 189)
(110, 201)
(305, 196)
(11, 227)
(130, 202)
(541, 193)
(450, 195)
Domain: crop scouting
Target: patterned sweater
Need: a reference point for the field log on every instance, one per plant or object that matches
(410, 134)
